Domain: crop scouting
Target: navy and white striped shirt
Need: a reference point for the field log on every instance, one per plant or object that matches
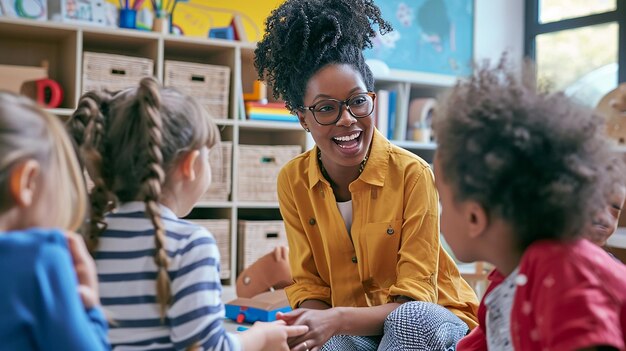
(127, 279)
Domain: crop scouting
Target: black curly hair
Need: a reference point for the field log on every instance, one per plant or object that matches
(534, 159)
(302, 36)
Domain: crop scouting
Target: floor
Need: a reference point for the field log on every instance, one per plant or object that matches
(228, 294)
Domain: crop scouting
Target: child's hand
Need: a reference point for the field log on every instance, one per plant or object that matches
(275, 334)
(322, 326)
(85, 270)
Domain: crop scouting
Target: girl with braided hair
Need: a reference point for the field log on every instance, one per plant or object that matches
(46, 267)
(361, 214)
(521, 174)
(146, 150)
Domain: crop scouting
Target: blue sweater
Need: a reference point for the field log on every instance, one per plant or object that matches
(40, 308)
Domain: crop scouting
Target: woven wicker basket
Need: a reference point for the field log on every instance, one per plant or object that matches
(221, 164)
(220, 228)
(114, 72)
(209, 84)
(258, 238)
(258, 168)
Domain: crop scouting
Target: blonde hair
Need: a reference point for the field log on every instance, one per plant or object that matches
(129, 142)
(28, 132)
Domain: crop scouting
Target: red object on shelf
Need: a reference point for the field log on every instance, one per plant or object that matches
(47, 92)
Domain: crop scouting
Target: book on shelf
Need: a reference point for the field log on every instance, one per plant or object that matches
(259, 92)
(382, 111)
(238, 29)
(268, 111)
(402, 112)
(271, 117)
(392, 114)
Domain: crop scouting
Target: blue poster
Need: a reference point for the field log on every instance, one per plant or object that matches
(434, 36)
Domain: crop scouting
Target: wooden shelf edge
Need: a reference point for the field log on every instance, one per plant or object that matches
(224, 121)
(134, 33)
(270, 125)
(256, 204)
(63, 112)
(414, 145)
(213, 204)
(424, 79)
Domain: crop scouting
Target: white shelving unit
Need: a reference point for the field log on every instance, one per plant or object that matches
(424, 79)
(408, 86)
(414, 145)
(28, 43)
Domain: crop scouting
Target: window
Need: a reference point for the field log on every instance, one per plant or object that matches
(576, 45)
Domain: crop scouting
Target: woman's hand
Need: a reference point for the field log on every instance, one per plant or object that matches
(85, 268)
(323, 324)
(270, 336)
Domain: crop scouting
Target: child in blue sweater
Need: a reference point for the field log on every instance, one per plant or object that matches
(46, 272)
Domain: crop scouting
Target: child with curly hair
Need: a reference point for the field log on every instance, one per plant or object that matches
(147, 151)
(361, 214)
(521, 173)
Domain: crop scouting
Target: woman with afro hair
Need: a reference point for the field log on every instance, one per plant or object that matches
(361, 214)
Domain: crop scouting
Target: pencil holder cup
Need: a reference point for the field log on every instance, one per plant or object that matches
(161, 23)
(128, 18)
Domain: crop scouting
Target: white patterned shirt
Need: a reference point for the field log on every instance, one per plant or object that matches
(499, 303)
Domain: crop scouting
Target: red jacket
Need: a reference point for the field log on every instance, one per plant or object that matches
(574, 297)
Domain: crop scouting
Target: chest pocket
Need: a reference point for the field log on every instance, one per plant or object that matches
(383, 244)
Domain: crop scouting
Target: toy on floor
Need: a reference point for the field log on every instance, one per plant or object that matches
(260, 308)
(260, 289)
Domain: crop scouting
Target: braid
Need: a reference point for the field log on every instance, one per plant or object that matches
(130, 147)
(302, 36)
(149, 100)
(87, 126)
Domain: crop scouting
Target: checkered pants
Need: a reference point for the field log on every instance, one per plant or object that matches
(415, 326)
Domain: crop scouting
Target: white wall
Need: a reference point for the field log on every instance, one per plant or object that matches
(499, 27)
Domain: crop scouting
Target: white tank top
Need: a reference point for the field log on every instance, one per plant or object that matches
(345, 208)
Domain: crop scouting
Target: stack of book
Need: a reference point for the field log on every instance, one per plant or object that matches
(268, 111)
(386, 113)
(257, 107)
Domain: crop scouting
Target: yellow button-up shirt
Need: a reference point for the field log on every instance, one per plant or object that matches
(393, 246)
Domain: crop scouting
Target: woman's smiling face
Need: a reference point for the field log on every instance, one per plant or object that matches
(347, 141)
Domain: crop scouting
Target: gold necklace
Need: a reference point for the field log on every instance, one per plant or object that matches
(325, 174)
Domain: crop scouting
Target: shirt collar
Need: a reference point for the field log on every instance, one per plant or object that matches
(139, 206)
(374, 175)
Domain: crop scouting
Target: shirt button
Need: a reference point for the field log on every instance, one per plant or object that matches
(390, 231)
(354, 260)
(312, 221)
